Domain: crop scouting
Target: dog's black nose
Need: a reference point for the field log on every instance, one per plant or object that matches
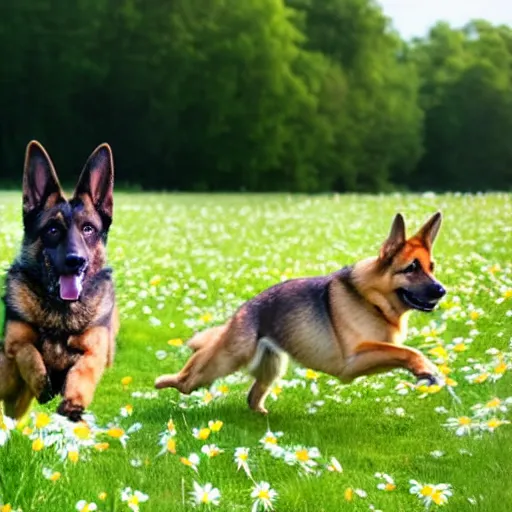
(436, 291)
(74, 262)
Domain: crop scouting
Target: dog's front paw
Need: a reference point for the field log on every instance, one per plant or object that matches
(47, 393)
(432, 380)
(70, 410)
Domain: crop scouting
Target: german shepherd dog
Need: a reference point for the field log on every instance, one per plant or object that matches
(346, 324)
(60, 315)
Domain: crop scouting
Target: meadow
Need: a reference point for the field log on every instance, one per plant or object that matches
(185, 262)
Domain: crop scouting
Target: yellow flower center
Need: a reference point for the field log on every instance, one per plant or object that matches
(482, 378)
(474, 315)
(115, 432)
(82, 432)
(176, 342)
(270, 440)
(438, 498)
(243, 456)
(494, 423)
(27, 431)
(277, 390)
(390, 487)
(186, 461)
(102, 496)
(129, 409)
(492, 404)
(501, 368)
(203, 434)
(125, 381)
(6, 508)
(55, 476)
(427, 490)
(302, 455)
(439, 351)
(133, 500)
(85, 508)
(171, 426)
(42, 420)
(37, 445)
(73, 456)
(101, 447)
(223, 389)
(348, 494)
(155, 281)
(207, 317)
(445, 369)
(208, 397)
(311, 374)
(205, 498)
(508, 294)
(263, 495)
(216, 425)
(460, 347)
(171, 446)
(464, 420)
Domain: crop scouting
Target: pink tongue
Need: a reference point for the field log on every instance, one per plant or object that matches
(70, 287)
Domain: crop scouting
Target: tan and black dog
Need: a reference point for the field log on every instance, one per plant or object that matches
(350, 323)
(60, 315)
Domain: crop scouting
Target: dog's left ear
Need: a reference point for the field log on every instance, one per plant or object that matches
(395, 240)
(428, 232)
(97, 181)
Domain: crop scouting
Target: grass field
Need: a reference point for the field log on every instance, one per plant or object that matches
(184, 262)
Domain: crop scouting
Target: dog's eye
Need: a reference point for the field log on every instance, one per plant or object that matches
(88, 230)
(52, 231)
(413, 267)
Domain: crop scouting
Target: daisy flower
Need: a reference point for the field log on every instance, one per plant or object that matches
(462, 425)
(84, 506)
(216, 425)
(201, 433)
(430, 493)
(270, 438)
(211, 450)
(492, 424)
(205, 495)
(264, 497)
(334, 466)
(133, 498)
(6, 425)
(192, 461)
(303, 456)
(51, 475)
(388, 484)
(241, 457)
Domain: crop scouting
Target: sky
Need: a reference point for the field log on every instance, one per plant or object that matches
(414, 17)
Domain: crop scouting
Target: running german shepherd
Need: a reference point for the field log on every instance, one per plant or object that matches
(60, 315)
(346, 324)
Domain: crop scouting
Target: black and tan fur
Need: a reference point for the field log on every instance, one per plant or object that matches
(350, 323)
(50, 345)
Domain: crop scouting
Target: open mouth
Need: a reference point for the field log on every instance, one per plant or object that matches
(71, 286)
(412, 301)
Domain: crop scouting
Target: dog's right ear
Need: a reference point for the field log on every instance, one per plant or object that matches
(396, 239)
(41, 187)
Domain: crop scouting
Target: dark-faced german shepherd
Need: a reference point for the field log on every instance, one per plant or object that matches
(60, 315)
(346, 324)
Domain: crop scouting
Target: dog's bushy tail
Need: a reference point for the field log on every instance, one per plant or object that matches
(269, 363)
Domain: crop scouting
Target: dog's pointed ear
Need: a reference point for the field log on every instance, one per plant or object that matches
(428, 232)
(41, 187)
(97, 181)
(395, 239)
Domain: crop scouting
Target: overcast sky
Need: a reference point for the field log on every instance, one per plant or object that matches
(415, 17)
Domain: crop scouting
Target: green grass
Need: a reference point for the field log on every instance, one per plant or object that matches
(213, 252)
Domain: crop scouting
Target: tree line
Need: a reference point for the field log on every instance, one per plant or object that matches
(257, 95)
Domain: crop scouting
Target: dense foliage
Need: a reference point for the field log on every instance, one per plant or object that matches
(299, 95)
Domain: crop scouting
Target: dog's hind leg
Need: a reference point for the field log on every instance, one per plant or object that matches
(269, 364)
(220, 354)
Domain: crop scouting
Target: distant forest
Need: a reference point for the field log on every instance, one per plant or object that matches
(256, 95)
